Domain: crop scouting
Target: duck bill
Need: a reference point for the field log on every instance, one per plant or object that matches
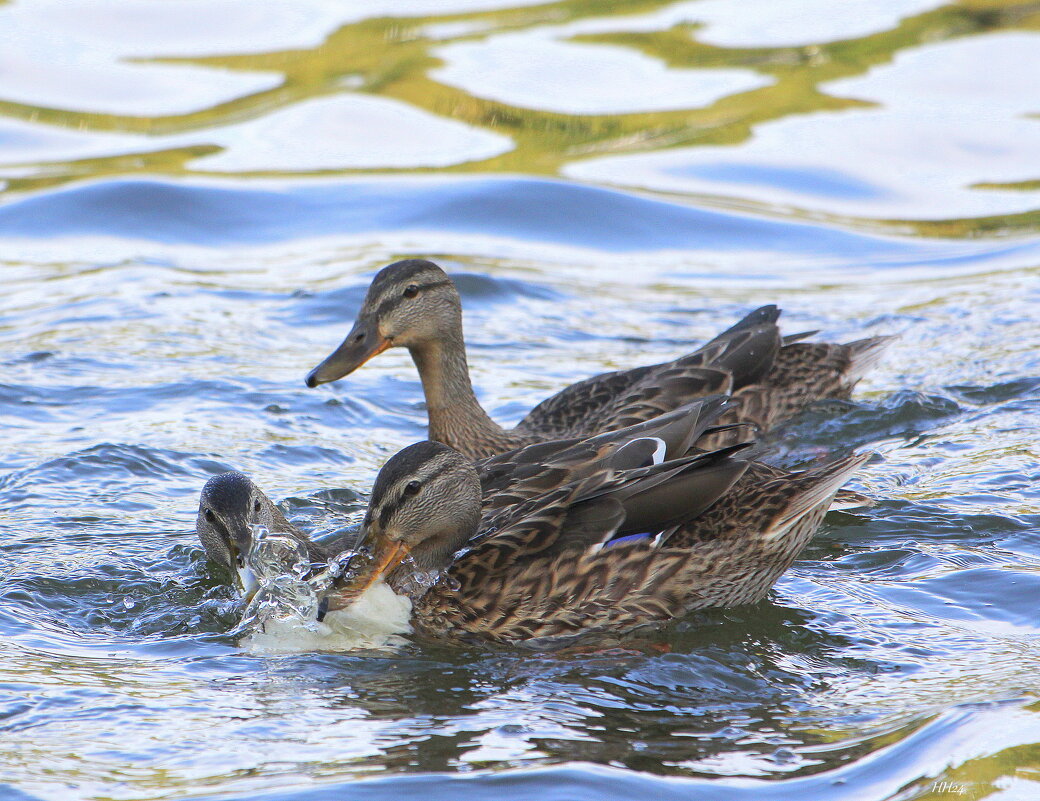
(362, 343)
(245, 578)
(247, 581)
(239, 539)
(387, 556)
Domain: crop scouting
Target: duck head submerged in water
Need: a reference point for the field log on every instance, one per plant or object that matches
(284, 576)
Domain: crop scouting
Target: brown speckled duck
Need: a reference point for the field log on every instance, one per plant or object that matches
(615, 550)
(624, 529)
(414, 304)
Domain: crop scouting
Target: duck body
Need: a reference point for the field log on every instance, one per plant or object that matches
(626, 529)
(515, 587)
(629, 538)
(414, 304)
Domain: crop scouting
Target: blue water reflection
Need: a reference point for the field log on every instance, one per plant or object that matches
(819, 181)
(194, 197)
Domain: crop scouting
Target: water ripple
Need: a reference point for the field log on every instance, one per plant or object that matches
(157, 321)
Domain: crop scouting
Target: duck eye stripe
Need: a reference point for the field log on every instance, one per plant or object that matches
(389, 487)
(392, 302)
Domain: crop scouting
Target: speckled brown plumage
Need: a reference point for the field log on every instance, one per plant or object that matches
(605, 536)
(514, 477)
(802, 373)
(414, 304)
(513, 586)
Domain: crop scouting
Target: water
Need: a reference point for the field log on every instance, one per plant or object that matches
(285, 615)
(194, 198)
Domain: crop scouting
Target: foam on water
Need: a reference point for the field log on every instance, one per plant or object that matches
(378, 619)
(283, 614)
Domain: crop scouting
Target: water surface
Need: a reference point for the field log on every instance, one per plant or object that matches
(193, 199)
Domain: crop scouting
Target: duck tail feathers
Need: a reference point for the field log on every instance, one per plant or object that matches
(819, 486)
(864, 355)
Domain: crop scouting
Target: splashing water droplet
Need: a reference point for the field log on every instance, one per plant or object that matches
(340, 563)
(417, 582)
(274, 555)
(281, 566)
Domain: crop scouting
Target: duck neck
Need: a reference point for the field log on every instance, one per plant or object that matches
(456, 417)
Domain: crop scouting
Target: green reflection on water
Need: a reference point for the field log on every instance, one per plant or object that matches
(392, 58)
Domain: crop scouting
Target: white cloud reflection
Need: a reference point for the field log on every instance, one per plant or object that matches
(942, 125)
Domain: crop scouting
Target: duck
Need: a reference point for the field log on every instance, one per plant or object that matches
(414, 304)
(231, 510)
(625, 529)
(232, 507)
(614, 551)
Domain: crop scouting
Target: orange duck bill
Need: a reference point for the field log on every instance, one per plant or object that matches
(386, 555)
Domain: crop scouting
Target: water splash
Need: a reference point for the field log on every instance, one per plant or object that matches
(417, 582)
(275, 555)
(286, 613)
(280, 566)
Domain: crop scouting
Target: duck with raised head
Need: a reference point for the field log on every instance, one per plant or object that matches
(414, 304)
(612, 551)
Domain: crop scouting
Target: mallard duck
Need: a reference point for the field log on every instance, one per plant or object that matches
(414, 304)
(615, 550)
(231, 509)
(560, 538)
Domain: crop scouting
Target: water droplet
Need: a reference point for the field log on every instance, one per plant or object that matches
(289, 585)
(784, 756)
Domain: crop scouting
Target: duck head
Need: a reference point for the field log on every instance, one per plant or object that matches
(230, 509)
(411, 303)
(425, 506)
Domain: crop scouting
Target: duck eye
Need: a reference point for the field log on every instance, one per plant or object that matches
(411, 291)
(411, 487)
(210, 516)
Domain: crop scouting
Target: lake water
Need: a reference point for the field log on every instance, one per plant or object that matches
(193, 198)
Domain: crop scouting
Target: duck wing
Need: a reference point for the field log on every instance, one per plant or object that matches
(606, 505)
(608, 401)
(511, 478)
